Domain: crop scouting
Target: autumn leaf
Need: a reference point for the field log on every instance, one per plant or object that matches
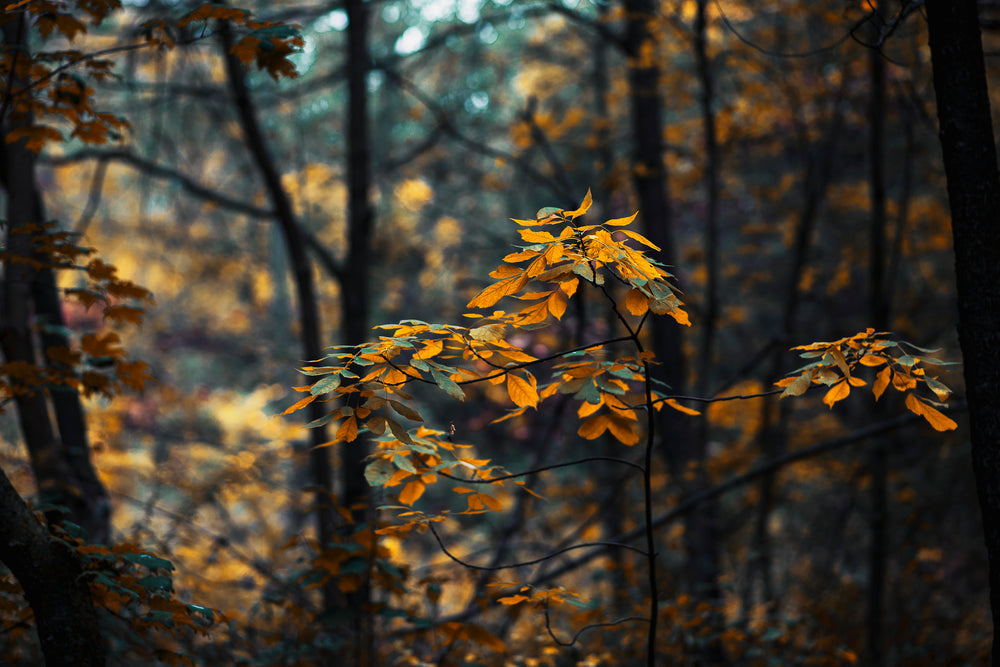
(498, 290)
(837, 392)
(621, 222)
(585, 205)
(522, 392)
(937, 420)
(798, 386)
(636, 302)
(412, 492)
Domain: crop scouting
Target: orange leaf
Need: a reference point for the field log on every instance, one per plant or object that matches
(680, 408)
(411, 492)
(625, 431)
(522, 392)
(348, 431)
(300, 404)
(881, 382)
(588, 200)
(837, 392)
(621, 222)
(594, 427)
(498, 290)
(636, 302)
(934, 417)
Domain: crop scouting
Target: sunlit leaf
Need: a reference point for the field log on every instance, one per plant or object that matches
(522, 391)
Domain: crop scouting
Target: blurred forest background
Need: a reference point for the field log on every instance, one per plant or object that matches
(783, 154)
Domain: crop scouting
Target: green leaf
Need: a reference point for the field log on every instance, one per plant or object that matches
(447, 385)
(149, 562)
(403, 463)
(327, 384)
(157, 583)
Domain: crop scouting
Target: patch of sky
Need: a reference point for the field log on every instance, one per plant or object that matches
(488, 34)
(411, 41)
(477, 102)
(335, 20)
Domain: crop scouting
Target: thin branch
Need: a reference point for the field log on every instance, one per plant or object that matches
(583, 545)
(535, 471)
(768, 467)
(589, 626)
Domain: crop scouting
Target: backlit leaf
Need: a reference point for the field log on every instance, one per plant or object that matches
(636, 302)
(522, 392)
(837, 392)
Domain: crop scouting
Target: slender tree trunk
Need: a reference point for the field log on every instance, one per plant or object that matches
(47, 570)
(355, 288)
(773, 435)
(877, 318)
(309, 323)
(59, 452)
(681, 447)
(970, 163)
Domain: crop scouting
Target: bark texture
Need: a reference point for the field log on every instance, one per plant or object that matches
(970, 162)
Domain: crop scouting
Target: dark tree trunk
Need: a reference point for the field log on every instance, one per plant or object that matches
(878, 461)
(59, 451)
(50, 575)
(680, 445)
(970, 163)
(309, 324)
(354, 290)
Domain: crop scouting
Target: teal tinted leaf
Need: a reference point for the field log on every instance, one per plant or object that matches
(379, 471)
(447, 385)
(403, 463)
(327, 384)
(150, 562)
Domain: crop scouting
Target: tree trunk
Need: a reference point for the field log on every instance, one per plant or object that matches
(50, 575)
(354, 290)
(970, 163)
(680, 445)
(59, 452)
(309, 324)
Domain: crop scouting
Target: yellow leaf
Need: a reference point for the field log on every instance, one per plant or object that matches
(856, 382)
(621, 222)
(532, 236)
(430, 349)
(837, 392)
(680, 408)
(522, 392)
(411, 492)
(557, 304)
(489, 333)
(636, 302)
(640, 238)
(624, 430)
(588, 200)
(881, 382)
(499, 290)
(586, 409)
